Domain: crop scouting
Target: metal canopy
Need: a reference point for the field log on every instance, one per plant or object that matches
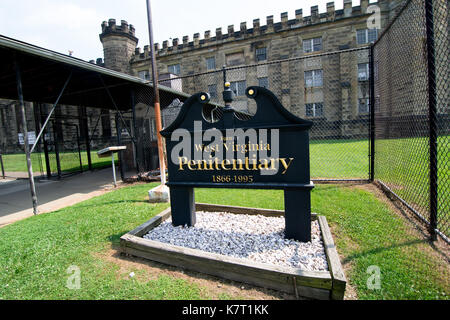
(44, 73)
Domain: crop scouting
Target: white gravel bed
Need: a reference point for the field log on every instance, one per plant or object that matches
(254, 237)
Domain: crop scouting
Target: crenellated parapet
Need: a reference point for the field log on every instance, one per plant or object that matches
(119, 44)
(124, 29)
(256, 30)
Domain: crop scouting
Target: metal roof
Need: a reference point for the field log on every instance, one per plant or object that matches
(44, 73)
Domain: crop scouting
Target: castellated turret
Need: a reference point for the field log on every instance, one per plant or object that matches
(119, 44)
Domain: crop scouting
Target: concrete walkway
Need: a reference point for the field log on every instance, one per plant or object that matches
(15, 196)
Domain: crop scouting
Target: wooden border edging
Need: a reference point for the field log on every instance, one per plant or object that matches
(321, 285)
(334, 263)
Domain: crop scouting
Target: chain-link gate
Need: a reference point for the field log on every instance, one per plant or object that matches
(411, 111)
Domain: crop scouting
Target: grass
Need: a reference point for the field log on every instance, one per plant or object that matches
(405, 169)
(338, 159)
(36, 252)
(69, 161)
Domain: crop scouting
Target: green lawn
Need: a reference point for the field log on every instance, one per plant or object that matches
(69, 161)
(338, 159)
(36, 252)
(404, 167)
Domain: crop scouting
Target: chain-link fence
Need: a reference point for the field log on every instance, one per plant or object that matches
(69, 143)
(332, 89)
(411, 111)
(12, 140)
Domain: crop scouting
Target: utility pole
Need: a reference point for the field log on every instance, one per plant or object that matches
(162, 165)
(161, 192)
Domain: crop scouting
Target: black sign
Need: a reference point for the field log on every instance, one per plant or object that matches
(217, 147)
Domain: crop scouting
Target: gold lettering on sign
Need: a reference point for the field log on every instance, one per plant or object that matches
(242, 148)
(234, 164)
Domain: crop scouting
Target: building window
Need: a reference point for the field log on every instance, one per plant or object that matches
(313, 78)
(235, 59)
(364, 36)
(238, 87)
(312, 45)
(144, 75)
(106, 123)
(261, 54)
(363, 71)
(263, 82)
(174, 69)
(210, 63)
(314, 110)
(3, 116)
(363, 105)
(212, 89)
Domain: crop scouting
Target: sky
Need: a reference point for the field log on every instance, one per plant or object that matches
(63, 25)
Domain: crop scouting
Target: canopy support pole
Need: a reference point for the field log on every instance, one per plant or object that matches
(25, 137)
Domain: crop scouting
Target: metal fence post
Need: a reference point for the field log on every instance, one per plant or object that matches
(47, 158)
(79, 150)
(56, 145)
(119, 143)
(432, 117)
(224, 71)
(85, 128)
(372, 113)
(3, 168)
(134, 133)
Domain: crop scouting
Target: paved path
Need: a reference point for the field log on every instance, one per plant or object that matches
(15, 197)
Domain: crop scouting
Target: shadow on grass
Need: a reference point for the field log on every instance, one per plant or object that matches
(115, 239)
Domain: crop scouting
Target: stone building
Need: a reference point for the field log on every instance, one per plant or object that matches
(311, 82)
(329, 88)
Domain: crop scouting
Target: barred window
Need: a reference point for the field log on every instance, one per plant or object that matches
(314, 109)
(366, 36)
(212, 89)
(261, 54)
(210, 63)
(144, 74)
(313, 78)
(363, 105)
(238, 87)
(3, 116)
(174, 69)
(363, 71)
(372, 35)
(263, 82)
(312, 45)
(106, 123)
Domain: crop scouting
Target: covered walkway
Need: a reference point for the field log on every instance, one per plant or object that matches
(52, 194)
(34, 74)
